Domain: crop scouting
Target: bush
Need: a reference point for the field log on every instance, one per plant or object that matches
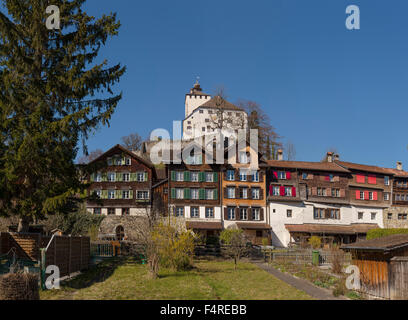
(236, 243)
(212, 240)
(175, 247)
(340, 289)
(337, 259)
(19, 286)
(265, 242)
(315, 242)
(379, 233)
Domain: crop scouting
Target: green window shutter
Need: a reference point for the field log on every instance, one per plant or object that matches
(133, 177)
(201, 177)
(215, 194)
(146, 176)
(187, 193)
(173, 176)
(186, 176)
(201, 159)
(93, 177)
(201, 194)
(123, 161)
(104, 194)
(130, 194)
(104, 177)
(118, 194)
(173, 193)
(215, 176)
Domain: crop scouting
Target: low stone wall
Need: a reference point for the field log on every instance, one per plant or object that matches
(394, 222)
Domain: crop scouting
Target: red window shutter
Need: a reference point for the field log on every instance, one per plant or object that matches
(293, 192)
(360, 178)
(288, 175)
(372, 179)
(366, 195)
(270, 190)
(275, 174)
(282, 191)
(375, 195)
(358, 194)
(327, 178)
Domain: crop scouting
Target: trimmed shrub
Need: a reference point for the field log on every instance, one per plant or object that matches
(315, 242)
(379, 233)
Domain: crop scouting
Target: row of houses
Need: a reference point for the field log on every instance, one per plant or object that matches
(281, 202)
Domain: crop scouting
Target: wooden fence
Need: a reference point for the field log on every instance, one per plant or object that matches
(69, 254)
(303, 256)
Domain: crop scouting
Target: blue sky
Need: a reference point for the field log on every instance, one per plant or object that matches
(322, 85)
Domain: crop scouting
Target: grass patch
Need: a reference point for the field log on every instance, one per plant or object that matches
(126, 279)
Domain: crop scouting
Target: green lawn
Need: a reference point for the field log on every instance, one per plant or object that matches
(126, 279)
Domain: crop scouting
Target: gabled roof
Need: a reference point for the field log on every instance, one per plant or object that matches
(388, 243)
(317, 166)
(363, 167)
(397, 173)
(218, 103)
(128, 152)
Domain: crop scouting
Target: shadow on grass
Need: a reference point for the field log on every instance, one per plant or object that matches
(98, 273)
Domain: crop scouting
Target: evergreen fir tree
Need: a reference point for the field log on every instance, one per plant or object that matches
(53, 93)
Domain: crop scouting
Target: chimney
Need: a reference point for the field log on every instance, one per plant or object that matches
(280, 154)
(329, 156)
(336, 157)
(399, 165)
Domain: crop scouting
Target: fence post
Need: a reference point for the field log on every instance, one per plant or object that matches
(80, 252)
(69, 257)
(42, 268)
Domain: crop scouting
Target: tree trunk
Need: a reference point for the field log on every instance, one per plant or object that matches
(235, 263)
(23, 224)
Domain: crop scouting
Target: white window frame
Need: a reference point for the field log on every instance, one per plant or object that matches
(194, 176)
(140, 176)
(110, 175)
(111, 192)
(256, 193)
(180, 193)
(125, 194)
(194, 214)
(231, 213)
(211, 211)
(209, 192)
(195, 193)
(209, 177)
(230, 175)
(242, 215)
(231, 192)
(256, 213)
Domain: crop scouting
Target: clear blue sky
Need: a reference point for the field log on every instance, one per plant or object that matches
(322, 85)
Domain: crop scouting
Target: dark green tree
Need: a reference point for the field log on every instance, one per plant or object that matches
(53, 94)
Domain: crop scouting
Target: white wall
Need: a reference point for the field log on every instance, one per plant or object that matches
(193, 102)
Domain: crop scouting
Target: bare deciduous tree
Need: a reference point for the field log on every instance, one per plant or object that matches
(290, 151)
(132, 142)
(90, 157)
(268, 139)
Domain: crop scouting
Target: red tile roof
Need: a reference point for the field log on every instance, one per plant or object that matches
(363, 167)
(332, 229)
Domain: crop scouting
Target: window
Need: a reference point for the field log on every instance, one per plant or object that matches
(128, 161)
(231, 193)
(259, 233)
(203, 129)
(402, 216)
(255, 193)
(256, 212)
(194, 194)
(179, 176)
(125, 211)
(397, 197)
(230, 175)
(98, 177)
(143, 195)
(370, 195)
(111, 194)
(373, 215)
(331, 177)
(207, 120)
(243, 194)
(276, 191)
(387, 180)
(386, 196)
(289, 213)
(201, 111)
(194, 176)
(209, 194)
(97, 193)
(111, 211)
(288, 191)
(242, 176)
(244, 157)
(360, 215)
(179, 212)
(111, 176)
(318, 213)
(97, 211)
(209, 213)
(255, 177)
(389, 216)
(335, 214)
(194, 212)
(231, 213)
(282, 175)
(335, 192)
(179, 193)
(243, 213)
(126, 177)
(209, 177)
(125, 194)
(110, 162)
(362, 195)
(118, 161)
(304, 176)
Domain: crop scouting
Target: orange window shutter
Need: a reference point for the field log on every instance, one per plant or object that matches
(366, 195)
